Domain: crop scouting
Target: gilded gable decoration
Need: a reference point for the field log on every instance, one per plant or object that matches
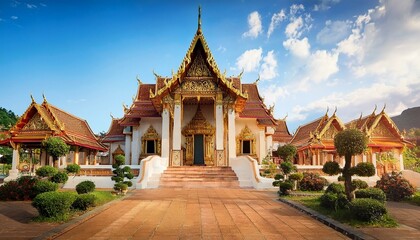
(199, 67)
(246, 142)
(151, 142)
(198, 86)
(36, 123)
(330, 133)
(198, 125)
(381, 131)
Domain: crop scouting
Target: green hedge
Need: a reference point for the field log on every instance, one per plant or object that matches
(45, 186)
(373, 193)
(335, 188)
(366, 209)
(60, 177)
(85, 187)
(54, 204)
(46, 171)
(84, 201)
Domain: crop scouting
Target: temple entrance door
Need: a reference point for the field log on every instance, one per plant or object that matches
(198, 149)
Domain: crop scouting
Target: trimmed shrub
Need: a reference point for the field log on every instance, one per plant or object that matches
(342, 201)
(73, 168)
(340, 178)
(84, 201)
(366, 209)
(395, 186)
(312, 182)
(328, 200)
(285, 187)
(60, 177)
(335, 188)
(373, 193)
(46, 171)
(287, 167)
(331, 168)
(85, 187)
(19, 190)
(278, 176)
(54, 204)
(364, 169)
(45, 186)
(296, 176)
(120, 186)
(276, 183)
(359, 184)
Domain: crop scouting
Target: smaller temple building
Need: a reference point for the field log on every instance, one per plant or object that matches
(41, 121)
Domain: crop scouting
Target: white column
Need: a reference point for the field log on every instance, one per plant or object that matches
(232, 133)
(165, 133)
(219, 127)
(313, 160)
(14, 172)
(261, 141)
(269, 139)
(135, 146)
(374, 163)
(401, 162)
(176, 144)
(127, 149)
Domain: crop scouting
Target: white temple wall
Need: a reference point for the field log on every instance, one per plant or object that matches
(252, 125)
(135, 145)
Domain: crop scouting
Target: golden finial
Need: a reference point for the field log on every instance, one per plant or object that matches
(271, 108)
(133, 98)
(110, 114)
(156, 75)
(45, 99)
(374, 110)
(258, 79)
(138, 79)
(32, 98)
(335, 111)
(383, 109)
(125, 108)
(284, 119)
(361, 115)
(240, 74)
(224, 73)
(199, 20)
(328, 109)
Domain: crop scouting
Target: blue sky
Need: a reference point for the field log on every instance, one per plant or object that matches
(310, 55)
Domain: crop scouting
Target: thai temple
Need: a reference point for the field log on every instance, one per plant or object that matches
(197, 117)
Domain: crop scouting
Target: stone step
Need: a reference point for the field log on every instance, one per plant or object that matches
(199, 177)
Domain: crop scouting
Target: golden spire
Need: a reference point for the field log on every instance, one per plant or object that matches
(240, 74)
(110, 114)
(199, 20)
(335, 111)
(258, 79)
(32, 98)
(138, 79)
(284, 119)
(374, 110)
(383, 109)
(45, 99)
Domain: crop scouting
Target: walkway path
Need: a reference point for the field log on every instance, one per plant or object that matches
(201, 214)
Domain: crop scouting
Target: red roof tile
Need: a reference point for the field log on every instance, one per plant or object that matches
(255, 108)
(303, 133)
(115, 132)
(282, 134)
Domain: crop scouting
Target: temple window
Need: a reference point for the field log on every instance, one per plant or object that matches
(245, 142)
(150, 142)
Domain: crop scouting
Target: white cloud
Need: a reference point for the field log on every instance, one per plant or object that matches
(14, 17)
(31, 6)
(272, 93)
(325, 5)
(295, 9)
(298, 48)
(321, 65)
(298, 23)
(292, 29)
(250, 60)
(276, 19)
(334, 31)
(269, 66)
(221, 49)
(43, 4)
(254, 24)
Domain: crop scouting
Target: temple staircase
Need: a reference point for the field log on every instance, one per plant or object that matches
(199, 177)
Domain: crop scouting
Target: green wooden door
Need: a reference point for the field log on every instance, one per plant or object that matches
(198, 149)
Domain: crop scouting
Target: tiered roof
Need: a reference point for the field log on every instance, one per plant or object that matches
(115, 132)
(282, 134)
(43, 120)
(312, 134)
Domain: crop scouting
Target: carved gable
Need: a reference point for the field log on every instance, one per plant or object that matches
(198, 67)
(382, 131)
(36, 123)
(330, 133)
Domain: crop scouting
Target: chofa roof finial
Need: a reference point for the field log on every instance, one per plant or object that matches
(258, 79)
(45, 99)
(383, 109)
(199, 20)
(138, 79)
(32, 98)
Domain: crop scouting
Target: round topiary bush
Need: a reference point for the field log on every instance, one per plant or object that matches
(85, 187)
(54, 204)
(331, 168)
(120, 186)
(287, 167)
(46, 171)
(60, 177)
(84, 201)
(364, 169)
(373, 193)
(278, 176)
(45, 186)
(296, 176)
(328, 200)
(285, 187)
(396, 187)
(366, 209)
(335, 188)
(312, 182)
(276, 183)
(73, 168)
(340, 178)
(359, 184)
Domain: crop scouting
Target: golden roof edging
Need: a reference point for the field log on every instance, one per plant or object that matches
(329, 123)
(377, 121)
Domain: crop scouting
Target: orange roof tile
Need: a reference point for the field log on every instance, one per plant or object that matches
(115, 132)
(282, 134)
(255, 107)
(303, 134)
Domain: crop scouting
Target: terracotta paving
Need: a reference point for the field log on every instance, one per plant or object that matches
(201, 214)
(408, 217)
(15, 221)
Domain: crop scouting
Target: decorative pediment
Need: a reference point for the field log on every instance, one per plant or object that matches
(198, 125)
(150, 134)
(36, 123)
(246, 134)
(330, 133)
(382, 131)
(199, 67)
(198, 86)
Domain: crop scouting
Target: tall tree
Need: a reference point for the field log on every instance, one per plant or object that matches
(7, 120)
(55, 147)
(348, 143)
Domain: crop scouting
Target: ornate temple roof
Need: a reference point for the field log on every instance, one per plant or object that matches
(255, 107)
(314, 133)
(43, 120)
(115, 132)
(282, 134)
